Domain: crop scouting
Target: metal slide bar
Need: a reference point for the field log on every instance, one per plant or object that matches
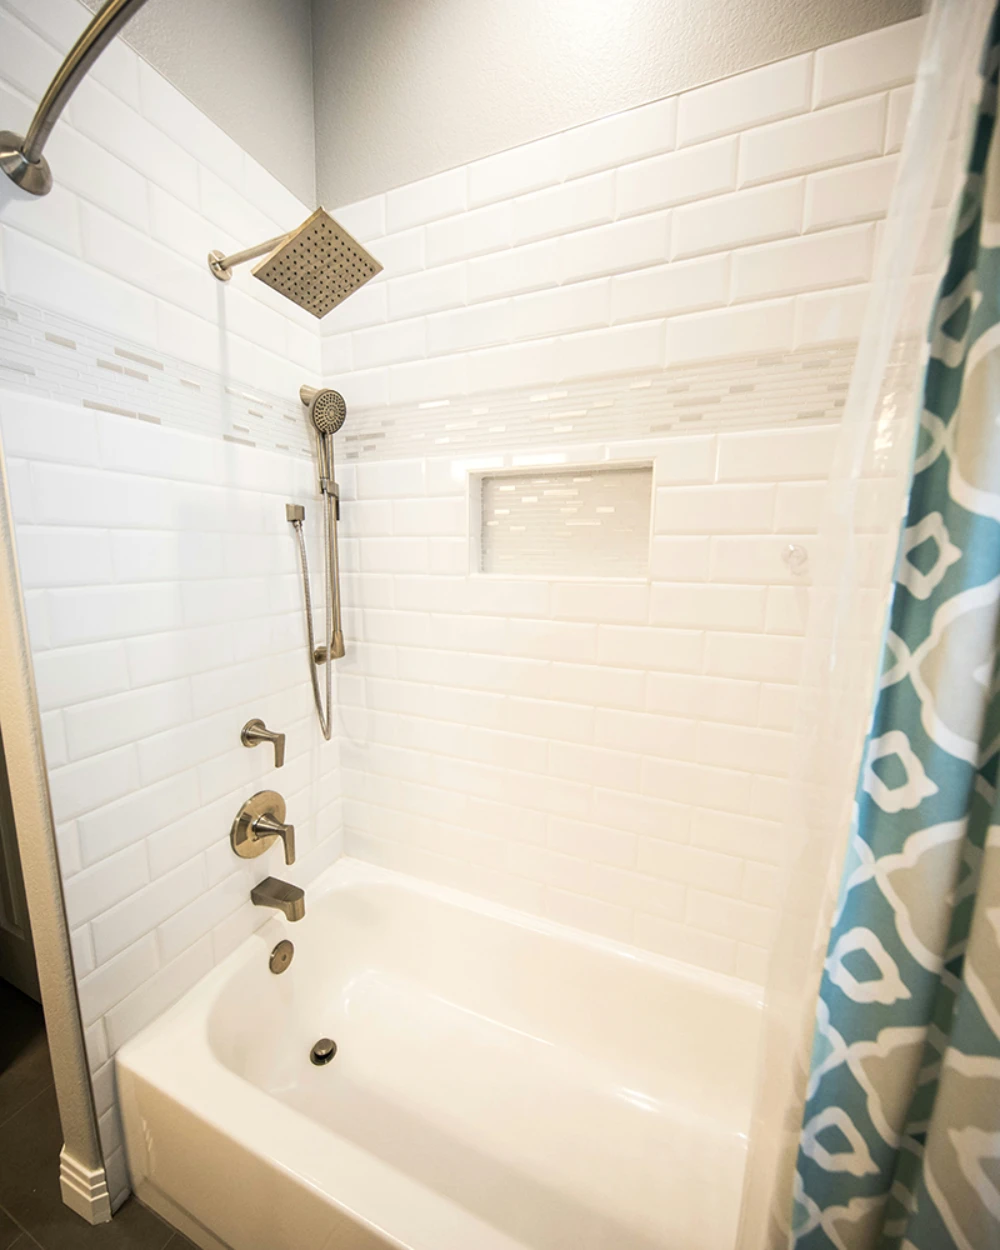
(21, 159)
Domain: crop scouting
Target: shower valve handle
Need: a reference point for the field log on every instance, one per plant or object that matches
(259, 821)
(255, 732)
(266, 826)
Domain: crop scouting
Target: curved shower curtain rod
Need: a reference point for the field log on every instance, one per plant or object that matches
(21, 159)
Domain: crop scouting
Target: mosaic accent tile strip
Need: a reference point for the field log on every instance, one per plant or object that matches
(589, 523)
(47, 353)
(749, 391)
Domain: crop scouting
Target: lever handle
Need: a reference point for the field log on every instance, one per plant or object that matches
(255, 732)
(266, 825)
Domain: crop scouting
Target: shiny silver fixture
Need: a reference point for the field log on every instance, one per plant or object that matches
(281, 957)
(258, 823)
(254, 732)
(323, 1051)
(21, 158)
(289, 899)
(327, 412)
(317, 265)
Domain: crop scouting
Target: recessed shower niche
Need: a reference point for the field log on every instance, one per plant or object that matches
(582, 521)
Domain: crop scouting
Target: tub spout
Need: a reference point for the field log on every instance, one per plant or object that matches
(280, 894)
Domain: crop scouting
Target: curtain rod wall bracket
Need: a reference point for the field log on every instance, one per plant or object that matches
(21, 159)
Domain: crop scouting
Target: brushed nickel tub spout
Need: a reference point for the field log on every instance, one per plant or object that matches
(281, 895)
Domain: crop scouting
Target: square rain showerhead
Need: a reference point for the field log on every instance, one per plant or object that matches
(318, 265)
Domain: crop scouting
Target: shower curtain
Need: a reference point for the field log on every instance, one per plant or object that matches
(843, 1165)
(900, 1141)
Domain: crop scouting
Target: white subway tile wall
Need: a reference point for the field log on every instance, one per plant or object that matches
(160, 578)
(732, 193)
(611, 756)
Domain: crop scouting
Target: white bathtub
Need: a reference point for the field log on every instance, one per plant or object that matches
(501, 1083)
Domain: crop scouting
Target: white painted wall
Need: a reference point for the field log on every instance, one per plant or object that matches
(160, 577)
(404, 89)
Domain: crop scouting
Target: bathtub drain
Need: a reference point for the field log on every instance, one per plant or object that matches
(323, 1051)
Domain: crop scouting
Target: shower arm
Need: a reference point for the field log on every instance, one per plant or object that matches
(21, 159)
(222, 266)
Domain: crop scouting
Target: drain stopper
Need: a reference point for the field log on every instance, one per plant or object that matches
(323, 1051)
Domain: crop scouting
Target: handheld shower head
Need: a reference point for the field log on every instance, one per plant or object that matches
(327, 409)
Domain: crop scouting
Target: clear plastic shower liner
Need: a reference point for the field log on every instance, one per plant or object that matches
(852, 562)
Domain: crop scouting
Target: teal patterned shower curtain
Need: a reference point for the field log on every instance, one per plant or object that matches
(900, 1141)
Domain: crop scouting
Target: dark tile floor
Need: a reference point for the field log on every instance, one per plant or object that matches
(32, 1215)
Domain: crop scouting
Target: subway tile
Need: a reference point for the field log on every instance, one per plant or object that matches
(715, 509)
(677, 177)
(633, 348)
(100, 991)
(858, 192)
(87, 786)
(622, 137)
(712, 698)
(595, 765)
(738, 834)
(612, 249)
(687, 460)
(569, 206)
(677, 941)
(650, 648)
(754, 657)
(142, 811)
(591, 601)
(95, 890)
(830, 316)
(514, 271)
(754, 215)
(465, 329)
(768, 326)
(63, 557)
(831, 136)
(559, 310)
(731, 917)
(831, 259)
(900, 102)
(697, 784)
(691, 866)
(427, 200)
(665, 290)
(42, 275)
(871, 62)
(102, 724)
(426, 292)
(481, 230)
(736, 746)
(644, 733)
(155, 993)
(762, 455)
(734, 104)
(365, 219)
(591, 914)
(516, 171)
(709, 606)
(142, 909)
(108, 121)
